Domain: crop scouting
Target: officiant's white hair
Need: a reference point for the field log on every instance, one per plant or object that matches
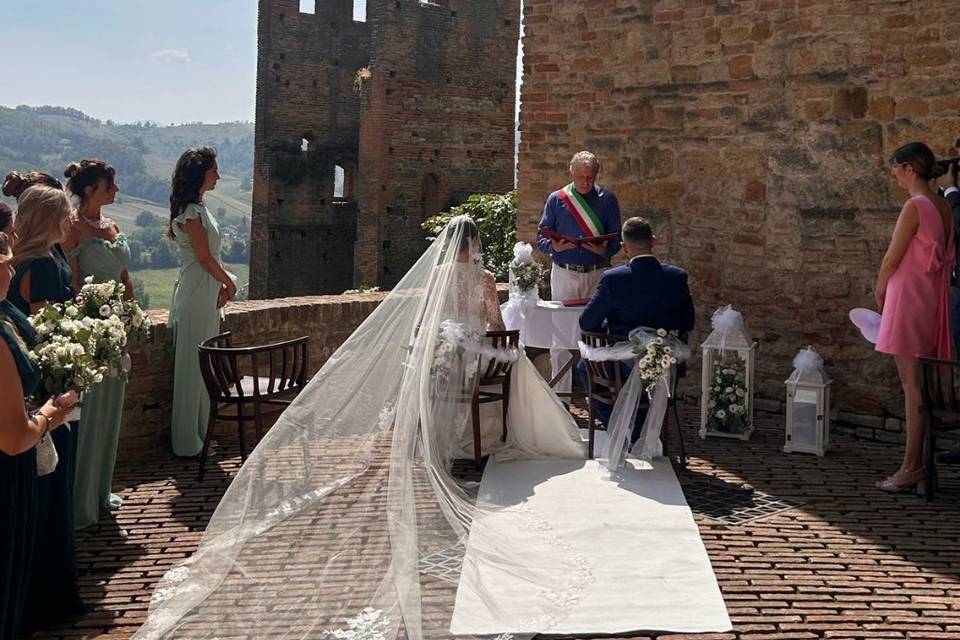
(585, 159)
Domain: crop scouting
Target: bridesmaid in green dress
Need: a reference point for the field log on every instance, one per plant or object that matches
(19, 433)
(203, 286)
(96, 248)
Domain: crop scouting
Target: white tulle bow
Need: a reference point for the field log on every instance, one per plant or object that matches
(523, 253)
(726, 321)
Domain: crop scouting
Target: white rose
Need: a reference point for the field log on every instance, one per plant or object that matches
(740, 392)
(728, 390)
(721, 414)
(661, 332)
(105, 311)
(88, 280)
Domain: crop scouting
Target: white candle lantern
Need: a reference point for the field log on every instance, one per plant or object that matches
(808, 405)
(726, 404)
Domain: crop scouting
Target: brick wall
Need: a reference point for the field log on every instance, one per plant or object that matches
(328, 320)
(302, 238)
(416, 104)
(755, 134)
(438, 121)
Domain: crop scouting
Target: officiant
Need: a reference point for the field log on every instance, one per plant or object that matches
(579, 211)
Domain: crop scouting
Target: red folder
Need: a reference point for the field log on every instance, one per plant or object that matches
(553, 235)
(575, 302)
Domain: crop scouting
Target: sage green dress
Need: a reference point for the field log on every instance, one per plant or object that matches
(102, 409)
(194, 317)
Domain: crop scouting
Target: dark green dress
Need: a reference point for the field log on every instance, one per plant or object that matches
(52, 593)
(18, 487)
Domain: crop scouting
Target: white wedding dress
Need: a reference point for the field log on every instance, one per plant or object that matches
(331, 525)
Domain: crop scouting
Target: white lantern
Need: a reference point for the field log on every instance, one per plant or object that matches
(726, 404)
(808, 405)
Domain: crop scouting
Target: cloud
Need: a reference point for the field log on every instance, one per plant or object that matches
(172, 55)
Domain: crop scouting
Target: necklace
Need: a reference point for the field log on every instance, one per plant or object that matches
(100, 223)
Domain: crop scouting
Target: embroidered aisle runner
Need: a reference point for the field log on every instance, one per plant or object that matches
(647, 566)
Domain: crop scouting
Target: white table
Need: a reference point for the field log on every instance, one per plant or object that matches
(546, 325)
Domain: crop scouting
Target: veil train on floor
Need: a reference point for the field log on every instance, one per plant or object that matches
(338, 521)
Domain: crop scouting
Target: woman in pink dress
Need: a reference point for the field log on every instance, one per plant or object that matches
(912, 294)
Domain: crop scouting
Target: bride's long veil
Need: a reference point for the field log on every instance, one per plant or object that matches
(348, 520)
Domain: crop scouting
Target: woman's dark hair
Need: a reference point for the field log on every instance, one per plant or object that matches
(466, 229)
(87, 173)
(6, 216)
(920, 158)
(16, 183)
(187, 179)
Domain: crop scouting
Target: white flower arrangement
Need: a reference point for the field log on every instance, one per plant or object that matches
(106, 299)
(66, 351)
(727, 408)
(525, 272)
(84, 340)
(656, 356)
(449, 346)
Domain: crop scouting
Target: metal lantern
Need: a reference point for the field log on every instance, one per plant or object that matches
(808, 405)
(726, 404)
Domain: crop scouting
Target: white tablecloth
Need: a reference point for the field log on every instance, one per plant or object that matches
(546, 325)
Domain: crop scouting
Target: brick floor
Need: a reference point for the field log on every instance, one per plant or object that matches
(851, 562)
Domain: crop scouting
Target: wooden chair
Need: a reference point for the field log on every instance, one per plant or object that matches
(604, 382)
(248, 380)
(940, 408)
(492, 373)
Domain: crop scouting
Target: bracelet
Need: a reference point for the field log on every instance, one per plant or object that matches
(46, 420)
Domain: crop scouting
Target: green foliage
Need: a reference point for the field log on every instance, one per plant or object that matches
(496, 217)
(148, 219)
(140, 293)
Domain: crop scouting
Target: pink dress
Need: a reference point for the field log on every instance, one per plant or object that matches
(915, 319)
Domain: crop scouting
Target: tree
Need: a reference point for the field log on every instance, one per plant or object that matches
(140, 293)
(147, 219)
(164, 255)
(496, 217)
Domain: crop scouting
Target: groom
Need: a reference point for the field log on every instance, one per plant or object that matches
(642, 293)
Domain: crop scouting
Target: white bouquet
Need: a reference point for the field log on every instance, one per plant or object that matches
(66, 351)
(100, 301)
(525, 272)
(656, 356)
(727, 408)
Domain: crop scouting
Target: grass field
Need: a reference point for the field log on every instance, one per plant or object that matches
(158, 283)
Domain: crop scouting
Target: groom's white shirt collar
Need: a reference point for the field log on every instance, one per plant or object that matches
(642, 255)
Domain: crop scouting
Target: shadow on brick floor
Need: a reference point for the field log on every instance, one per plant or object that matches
(850, 562)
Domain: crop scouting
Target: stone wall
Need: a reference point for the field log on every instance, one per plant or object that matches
(416, 105)
(755, 134)
(328, 320)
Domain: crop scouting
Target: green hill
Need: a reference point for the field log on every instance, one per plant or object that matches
(144, 154)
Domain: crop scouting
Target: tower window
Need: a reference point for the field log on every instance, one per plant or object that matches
(308, 6)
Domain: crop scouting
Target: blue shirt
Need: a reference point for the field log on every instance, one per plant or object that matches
(557, 217)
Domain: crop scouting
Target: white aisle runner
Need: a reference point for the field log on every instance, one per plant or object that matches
(650, 570)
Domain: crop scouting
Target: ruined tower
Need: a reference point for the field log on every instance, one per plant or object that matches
(411, 110)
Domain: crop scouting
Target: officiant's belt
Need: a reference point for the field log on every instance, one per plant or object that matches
(583, 268)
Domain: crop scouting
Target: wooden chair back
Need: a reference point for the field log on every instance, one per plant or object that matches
(245, 374)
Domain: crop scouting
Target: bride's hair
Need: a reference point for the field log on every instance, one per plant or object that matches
(463, 228)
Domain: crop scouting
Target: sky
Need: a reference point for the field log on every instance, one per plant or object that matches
(166, 61)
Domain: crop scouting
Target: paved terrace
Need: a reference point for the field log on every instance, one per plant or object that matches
(835, 558)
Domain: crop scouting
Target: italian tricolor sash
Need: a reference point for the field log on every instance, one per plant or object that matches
(581, 211)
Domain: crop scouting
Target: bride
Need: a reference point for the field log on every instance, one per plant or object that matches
(346, 520)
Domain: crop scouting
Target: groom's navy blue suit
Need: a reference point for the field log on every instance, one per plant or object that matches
(643, 293)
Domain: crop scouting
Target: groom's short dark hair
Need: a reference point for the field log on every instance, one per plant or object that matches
(637, 230)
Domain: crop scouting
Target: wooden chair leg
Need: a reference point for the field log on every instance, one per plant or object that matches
(665, 434)
(680, 445)
(207, 438)
(243, 446)
(590, 426)
(258, 419)
(506, 406)
(930, 446)
(475, 419)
